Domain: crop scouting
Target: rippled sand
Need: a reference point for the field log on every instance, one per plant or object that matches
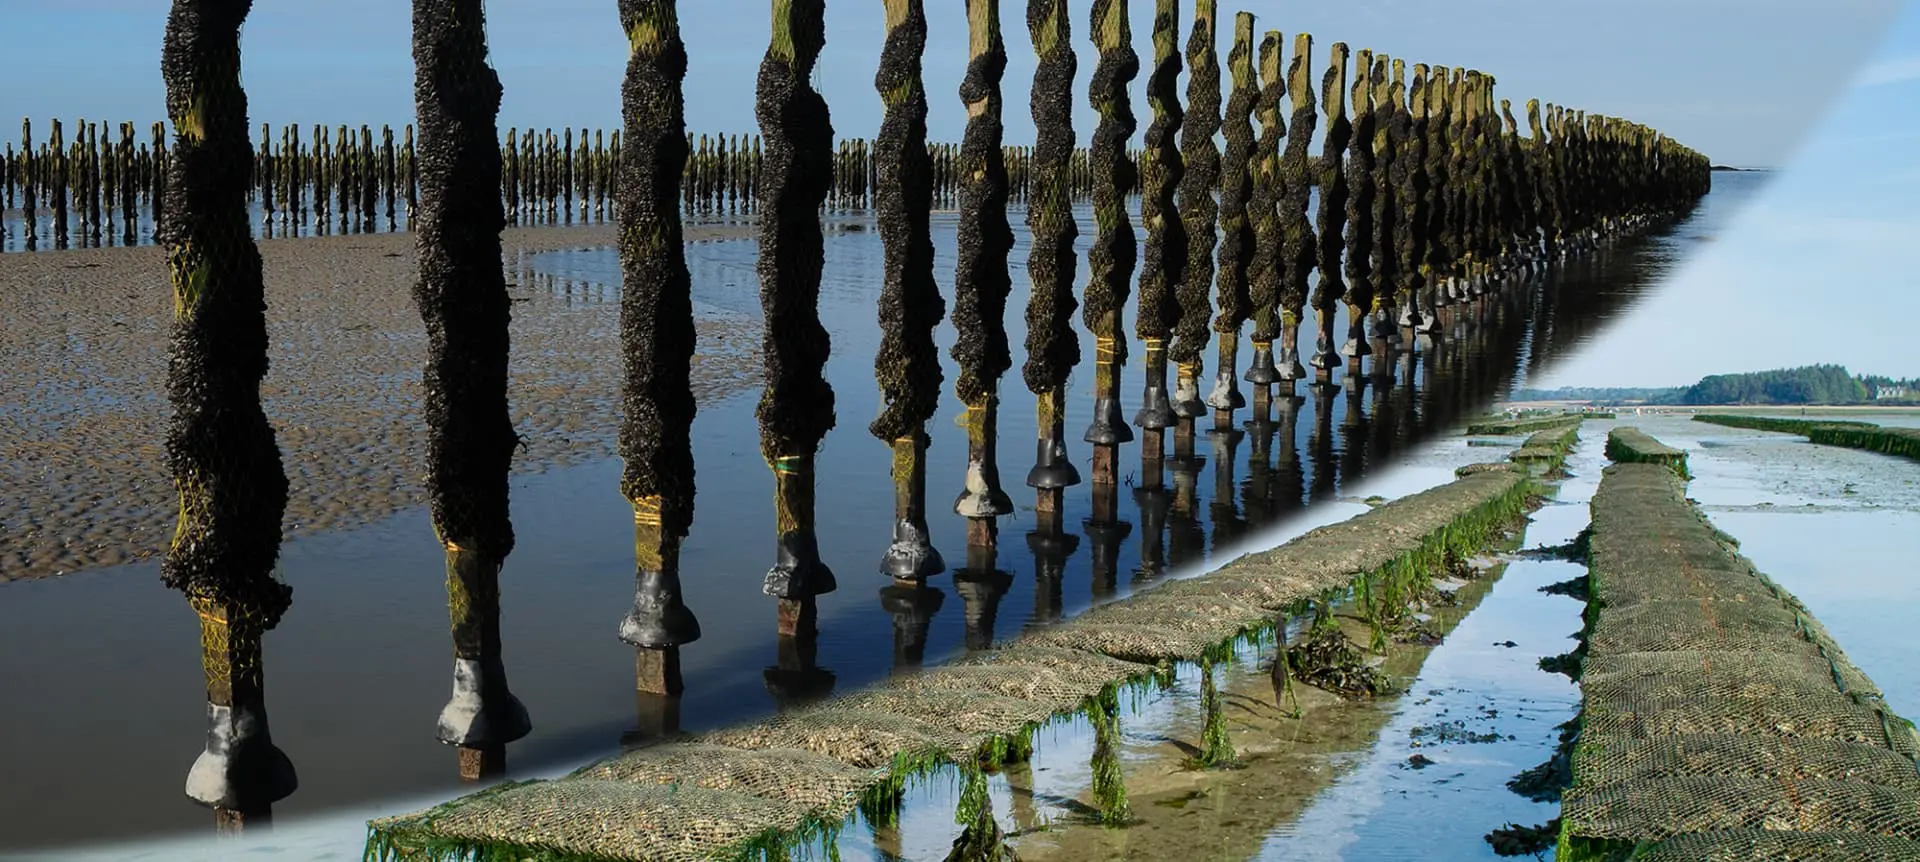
(83, 410)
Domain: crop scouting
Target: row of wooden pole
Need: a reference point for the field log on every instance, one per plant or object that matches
(1472, 204)
(107, 187)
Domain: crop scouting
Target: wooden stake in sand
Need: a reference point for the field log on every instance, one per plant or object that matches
(29, 217)
(1201, 213)
(1111, 262)
(1052, 347)
(907, 365)
(981, 282)
(657, 334)
(1165, 263)
(796, 407)
(1389, 134)
(1360, 229)
(462, 296)
(1112, 258)
(225, 463)
(1264, 266)
(1297, 240)
(1332, 180)
(1234, 298)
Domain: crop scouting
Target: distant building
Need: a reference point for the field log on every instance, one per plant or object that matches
(1892, 393)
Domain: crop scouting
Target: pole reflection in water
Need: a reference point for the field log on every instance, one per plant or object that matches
(657, 694)
(1104, 528)
(1227, 525)
(795, 678)
(1355, 425)
(1257, 492)
(1187, 536)
(1320, 442)
(1051, 548)
(912, 604)
(981, 586)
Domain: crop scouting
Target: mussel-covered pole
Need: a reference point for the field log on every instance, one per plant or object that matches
(220, 448)
(796, 407)
(1052, 347)
(1409, 163)
(1111, 262)
(907, 364)
(1264, 269)
(1165, 263)
(1551, 145)
(462, 296)
(57, 155)
(1438, 259)
(388, 173)
(657, 340)
(1360, 229)
(29, 189)
(370, 179)
(1201, 213)
(1332, 176)
(1389, 135)
(1233, 297)
(297, 176)
(1297, 250)
(1112, 258)
(981, 282)
(1515, 193)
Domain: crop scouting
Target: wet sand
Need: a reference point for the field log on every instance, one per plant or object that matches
(83, 408)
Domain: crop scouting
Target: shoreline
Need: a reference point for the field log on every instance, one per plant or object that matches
(85, 413)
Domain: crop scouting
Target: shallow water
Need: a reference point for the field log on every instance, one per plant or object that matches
(1499, 712)
(1838, 528)
(359, 669)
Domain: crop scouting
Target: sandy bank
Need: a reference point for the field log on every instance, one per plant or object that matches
(83, 410)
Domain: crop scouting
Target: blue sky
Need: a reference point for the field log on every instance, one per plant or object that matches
(1736, 79)
(1819, 268)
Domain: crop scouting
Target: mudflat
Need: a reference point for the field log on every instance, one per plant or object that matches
(83, 409)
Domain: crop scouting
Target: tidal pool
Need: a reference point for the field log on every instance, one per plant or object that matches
(359, 668)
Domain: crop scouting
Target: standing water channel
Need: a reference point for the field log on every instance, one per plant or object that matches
(358, 669)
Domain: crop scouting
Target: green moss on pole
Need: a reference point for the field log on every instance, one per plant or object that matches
(796, 407)
(220, 448)
(1109, 784)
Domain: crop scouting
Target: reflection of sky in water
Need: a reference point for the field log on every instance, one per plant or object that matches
(369, 616)
(1379, 810)
(1836, 527)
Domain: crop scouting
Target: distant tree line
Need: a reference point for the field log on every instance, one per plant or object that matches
(1810, 384)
